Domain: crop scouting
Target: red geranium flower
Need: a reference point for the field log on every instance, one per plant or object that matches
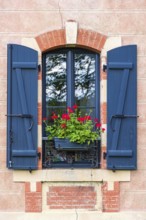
(87, 117)
(44, 119)
(70, 110)
(65, 117)
(63, 125)
(54, 117)
(81, 119)
(96, 120)
(103, 129)
(75, 106)
(98, 125)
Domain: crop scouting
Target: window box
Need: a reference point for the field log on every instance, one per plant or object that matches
(65, 144)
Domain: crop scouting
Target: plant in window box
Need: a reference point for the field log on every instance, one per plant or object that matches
(73, 131)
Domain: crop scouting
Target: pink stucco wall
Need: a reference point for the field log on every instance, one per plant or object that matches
(29, 18)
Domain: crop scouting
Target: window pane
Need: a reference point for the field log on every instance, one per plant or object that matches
(50, 111)
(85, 80)
(55, 81)
(87, 110)
(70, 78)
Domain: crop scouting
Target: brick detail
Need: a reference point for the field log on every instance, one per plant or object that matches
(51, 40)
(40, 75)
(111, 198)
(85, 39)
(33, 200)
(90, 39)
(103, 75)
(39, 113)
(103, 113)
(70, 197)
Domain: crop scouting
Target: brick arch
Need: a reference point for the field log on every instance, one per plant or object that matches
(85, 39)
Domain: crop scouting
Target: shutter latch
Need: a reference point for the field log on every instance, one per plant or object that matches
(121, 117)
(23, 116)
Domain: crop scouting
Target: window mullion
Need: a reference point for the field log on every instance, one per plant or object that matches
(70, 79)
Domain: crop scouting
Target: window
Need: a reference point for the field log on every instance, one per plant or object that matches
(76, 72)
(70, 76)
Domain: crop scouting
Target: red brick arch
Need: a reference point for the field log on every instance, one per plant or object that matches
(85, 39)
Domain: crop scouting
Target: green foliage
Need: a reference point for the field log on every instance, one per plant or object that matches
(74, 126)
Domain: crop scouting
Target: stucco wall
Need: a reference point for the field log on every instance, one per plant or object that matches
(113, 18)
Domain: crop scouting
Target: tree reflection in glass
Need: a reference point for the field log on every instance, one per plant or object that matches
(85, 80)
(55, 81)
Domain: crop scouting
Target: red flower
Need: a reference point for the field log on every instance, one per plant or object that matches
(44, 119)
(70, 110)
(54, 117)
(75, 106)
(98, 125)
(96, 120)
(103, 129)
(63, 125)
(65, 117)
(81, 119)
(87, 117)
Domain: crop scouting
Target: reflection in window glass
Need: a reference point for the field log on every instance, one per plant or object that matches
(55, 81)
(85, 80)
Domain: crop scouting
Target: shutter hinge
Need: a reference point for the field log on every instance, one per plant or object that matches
(39, 67)
(39, 155)
(114, 169)
(10, 164)
(104, 155)
(104, 67)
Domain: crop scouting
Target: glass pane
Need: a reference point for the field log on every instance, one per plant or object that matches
(85, 80)
(55, 80)
(50, 111)
(87, 110)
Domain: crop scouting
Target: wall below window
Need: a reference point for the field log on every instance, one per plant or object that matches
(90, 189)
(71, 175)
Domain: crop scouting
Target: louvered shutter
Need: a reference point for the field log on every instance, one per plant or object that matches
(121, 108)
(22, 107)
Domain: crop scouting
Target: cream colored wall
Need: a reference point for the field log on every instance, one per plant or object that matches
(118, 19)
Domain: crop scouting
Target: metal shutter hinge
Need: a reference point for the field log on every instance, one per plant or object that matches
(39, 155)
(104, 67)
(104, 155)
(10, 164)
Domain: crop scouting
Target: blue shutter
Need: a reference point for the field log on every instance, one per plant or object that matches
(22, 107)
(121, 108)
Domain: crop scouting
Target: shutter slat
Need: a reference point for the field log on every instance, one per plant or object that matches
(30, 65)
(121, 101)
(120, 153)
(24, 153)
(119, 65)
